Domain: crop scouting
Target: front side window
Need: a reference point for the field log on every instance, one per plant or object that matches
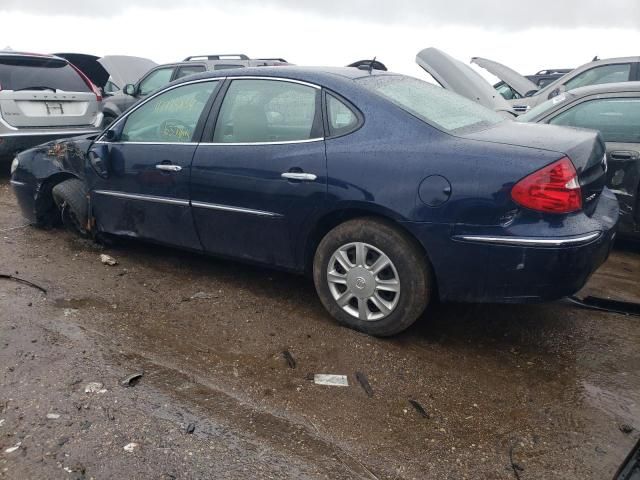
(599, 75)
(618, 119)
(432, 104)
(170, 117)
(189, 70)
(267, 111)
(341, 118)
(155, 80)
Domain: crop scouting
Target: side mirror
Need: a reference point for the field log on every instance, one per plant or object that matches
(531, 93)
(110, 135)
(555, 93)
(129, 89)
(99, 159)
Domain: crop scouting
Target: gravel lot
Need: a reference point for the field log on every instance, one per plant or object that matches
(509, 392)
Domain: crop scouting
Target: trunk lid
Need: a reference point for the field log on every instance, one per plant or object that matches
(585, 148)
(454, 75)
(519, 83)
(43, 91)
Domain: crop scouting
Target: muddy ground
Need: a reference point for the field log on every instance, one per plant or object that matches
(510, 392)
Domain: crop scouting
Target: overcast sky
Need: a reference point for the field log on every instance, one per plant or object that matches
(528, 36)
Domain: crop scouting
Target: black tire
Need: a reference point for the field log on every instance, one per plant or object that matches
(107, 120)
(70, 196)
(410, 263)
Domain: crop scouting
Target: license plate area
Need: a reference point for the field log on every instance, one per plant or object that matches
(54, 108)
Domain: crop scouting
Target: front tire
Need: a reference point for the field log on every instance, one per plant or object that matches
(372, 277)
(71, 199)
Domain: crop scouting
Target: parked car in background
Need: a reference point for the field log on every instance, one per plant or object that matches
(43, 97)
(548, 76)
(614, 110)
(163, 74)
(612, 70)
(390, 191)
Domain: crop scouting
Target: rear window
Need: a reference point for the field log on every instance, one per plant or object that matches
(33, 73)
(433, 104)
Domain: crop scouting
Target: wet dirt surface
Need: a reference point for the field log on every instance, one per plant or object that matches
(528, 392)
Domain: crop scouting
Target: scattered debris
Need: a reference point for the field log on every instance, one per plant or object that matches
(289, 358)
(607, 305)
(132, 380)
(191, 428)
(107, 260)
(95, 387)
(331, 380)
(23, 281)
(419, 408)
(514, 466)
(14, 228)
(14, 448)
(626, 429)
(202, 296)
(53, 416)
(130, 447)
(1, 421)
(364, 383)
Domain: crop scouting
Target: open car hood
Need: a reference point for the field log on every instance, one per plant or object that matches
(519, 83)
(454, 75)
(126, 69)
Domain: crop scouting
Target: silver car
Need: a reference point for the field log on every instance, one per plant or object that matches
(43, 97)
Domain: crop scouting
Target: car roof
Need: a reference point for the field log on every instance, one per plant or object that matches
(308, 74)
(13, 53)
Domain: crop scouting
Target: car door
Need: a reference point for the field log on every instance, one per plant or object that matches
(262, 172)
(146, 190)
(617, 117)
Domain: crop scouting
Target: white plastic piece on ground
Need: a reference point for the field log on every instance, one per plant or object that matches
(95, 387)
(130, 447)
(53, 416)
(107, 260)
(14, 448)
(331, 380)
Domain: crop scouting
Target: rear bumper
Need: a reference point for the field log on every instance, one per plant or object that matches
(554, 263)
(13, 142)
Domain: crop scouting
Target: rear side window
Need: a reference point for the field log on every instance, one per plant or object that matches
(189, 70)
(599, 75)
(341, 118)
(155, 80)
(34, 73)
(435, 105)
(618, 119)
(267, 111)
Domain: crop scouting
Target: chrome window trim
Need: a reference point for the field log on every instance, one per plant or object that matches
(149, 198)
(148, 99)
(279, 79)
(530, 242)
(283, 142)
(227, 208)
(101, 142)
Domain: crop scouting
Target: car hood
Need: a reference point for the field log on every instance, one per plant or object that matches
(519, 83)
(89, 65)
(126, 69)
(454, 75)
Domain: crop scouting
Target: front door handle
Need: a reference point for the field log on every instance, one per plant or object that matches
(168, 167)
(623, 155)
(305, 177)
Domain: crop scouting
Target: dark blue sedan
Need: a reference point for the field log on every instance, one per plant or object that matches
(392, 192)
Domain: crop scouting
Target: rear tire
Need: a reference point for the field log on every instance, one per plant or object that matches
(70, 197)
(372, 277)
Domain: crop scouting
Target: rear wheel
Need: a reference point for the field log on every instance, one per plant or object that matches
(71, 199)
(372, 277)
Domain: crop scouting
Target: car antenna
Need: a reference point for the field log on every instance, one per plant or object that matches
(371, 64)
(595, 59)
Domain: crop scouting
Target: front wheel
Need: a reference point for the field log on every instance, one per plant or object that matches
(372, 277)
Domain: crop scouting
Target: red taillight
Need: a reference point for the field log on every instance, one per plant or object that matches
(89, 83)
(552, 189)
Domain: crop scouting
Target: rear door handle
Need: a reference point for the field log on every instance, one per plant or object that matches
(168, 167)
(304, 177)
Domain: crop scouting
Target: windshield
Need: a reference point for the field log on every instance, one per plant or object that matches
(39, 73)
(432, 104)
(544, 107)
